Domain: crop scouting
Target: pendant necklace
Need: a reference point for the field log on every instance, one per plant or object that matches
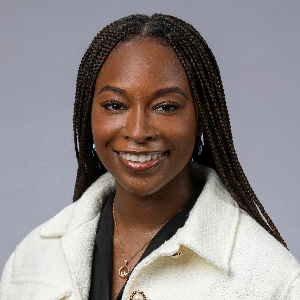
(124, 271)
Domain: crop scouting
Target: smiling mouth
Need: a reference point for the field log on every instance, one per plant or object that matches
(141, 162)
(141, 158)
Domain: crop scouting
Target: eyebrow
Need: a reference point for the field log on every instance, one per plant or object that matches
(173, 89)
(112, 89)
(160, 92)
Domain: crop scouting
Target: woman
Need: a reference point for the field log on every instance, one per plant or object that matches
(172, 218)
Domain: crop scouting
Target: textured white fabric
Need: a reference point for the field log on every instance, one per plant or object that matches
(226, 254)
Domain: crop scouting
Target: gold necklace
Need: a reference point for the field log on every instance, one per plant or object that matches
(124, 271)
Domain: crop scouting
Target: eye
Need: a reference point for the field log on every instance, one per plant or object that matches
(113, 105)
(167, 107)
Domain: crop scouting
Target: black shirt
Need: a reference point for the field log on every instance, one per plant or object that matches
(103, 249)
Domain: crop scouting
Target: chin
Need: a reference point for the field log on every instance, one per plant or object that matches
(142, 187)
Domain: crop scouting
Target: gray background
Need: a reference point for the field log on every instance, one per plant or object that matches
(256, 44)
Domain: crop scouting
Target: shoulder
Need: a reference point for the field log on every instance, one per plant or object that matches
(255, 259)
(40, 252)
(34, 249)
(256, 241)
(75, 214)
(251, 242)
(261, 257)
(31, 257)
(35, 240)
(72, 216)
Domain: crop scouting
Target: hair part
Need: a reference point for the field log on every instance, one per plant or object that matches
(206, 87)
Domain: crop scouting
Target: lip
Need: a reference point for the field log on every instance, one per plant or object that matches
(137, 152)
(141, 166)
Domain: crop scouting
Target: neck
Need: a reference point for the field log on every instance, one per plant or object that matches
(148, 213)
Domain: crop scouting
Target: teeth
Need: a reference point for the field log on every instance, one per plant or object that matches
(127, 156)
(141, 157)
(134, 157)
(153, 156)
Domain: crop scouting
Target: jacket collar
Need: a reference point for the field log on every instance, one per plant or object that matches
(84, 209)
(76, 227)
(209, 230)
(211, 226)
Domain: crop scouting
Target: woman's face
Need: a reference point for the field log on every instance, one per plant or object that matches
(143, 117)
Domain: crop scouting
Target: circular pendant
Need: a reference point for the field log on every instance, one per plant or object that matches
(124, 272)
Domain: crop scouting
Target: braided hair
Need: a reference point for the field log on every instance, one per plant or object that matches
(206, 87)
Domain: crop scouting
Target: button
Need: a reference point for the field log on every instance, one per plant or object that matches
(138, 295)
(177, 254)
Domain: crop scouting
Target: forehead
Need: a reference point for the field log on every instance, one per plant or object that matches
(136, 60)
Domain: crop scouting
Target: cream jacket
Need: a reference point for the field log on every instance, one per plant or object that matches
(225, 254)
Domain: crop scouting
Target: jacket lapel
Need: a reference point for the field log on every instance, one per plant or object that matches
(211, 227)
(78, 248)
(76, 230)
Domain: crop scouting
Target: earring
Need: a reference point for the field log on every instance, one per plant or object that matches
(200, 146)
(94, 148)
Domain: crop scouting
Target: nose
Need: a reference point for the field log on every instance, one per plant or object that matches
(139, 126)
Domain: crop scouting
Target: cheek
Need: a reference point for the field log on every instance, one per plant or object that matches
(103, 131)
(103, 127)
(182, 134)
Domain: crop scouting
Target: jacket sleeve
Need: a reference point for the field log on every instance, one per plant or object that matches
(6, 278)
(294, 290)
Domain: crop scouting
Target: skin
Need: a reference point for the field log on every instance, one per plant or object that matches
(143, 103)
